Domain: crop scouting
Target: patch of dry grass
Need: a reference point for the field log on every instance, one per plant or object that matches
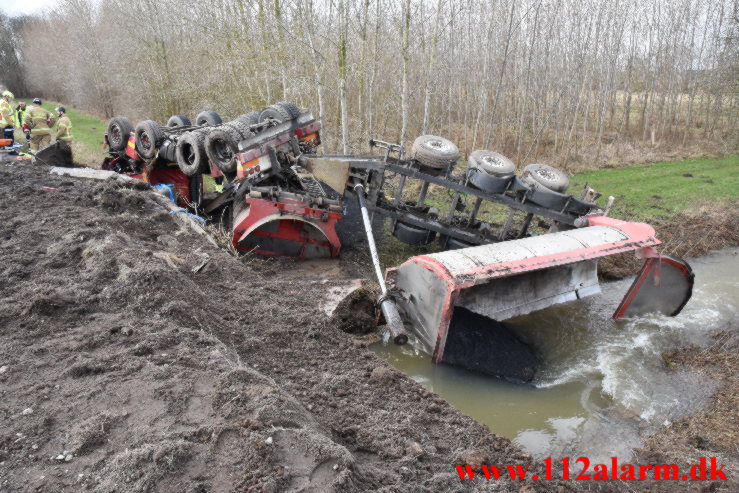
(690, 234)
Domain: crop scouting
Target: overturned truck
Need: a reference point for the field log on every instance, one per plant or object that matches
(508, 244)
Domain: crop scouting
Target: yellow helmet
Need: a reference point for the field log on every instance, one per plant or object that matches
(8, 94)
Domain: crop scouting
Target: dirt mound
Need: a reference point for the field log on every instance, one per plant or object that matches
(357, 313)
(125, 368)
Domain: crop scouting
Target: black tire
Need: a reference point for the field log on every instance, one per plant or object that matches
(434, 152)
(248, 119)
(487, 182)
(179, 121)
(290, 108)
(541, 175)
(119, 130)
(451, 243)
(221, 146)
(413, 235)
(240, 128)
(149, 137)
(208, 118)
(191, 156)
(491, 163)
(168, 151)
(282, 112)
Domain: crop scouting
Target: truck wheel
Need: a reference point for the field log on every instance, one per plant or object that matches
(221, 148)
(179, 121)
(434, 152)
(248, 119)
(191, 155)
(241, 128)
(282, 112)
(148, 138)
(208, 118)
(541, 175)
(119, 130)
(451, 243)
(290, 108)
(413, 235)
(492, 163)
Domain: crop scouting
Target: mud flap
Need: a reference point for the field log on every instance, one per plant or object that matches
(664, 285)
(286, 229)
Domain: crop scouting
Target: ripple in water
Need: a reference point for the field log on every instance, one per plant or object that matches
(602, 384)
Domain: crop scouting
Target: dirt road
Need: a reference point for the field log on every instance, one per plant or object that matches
(123, 369)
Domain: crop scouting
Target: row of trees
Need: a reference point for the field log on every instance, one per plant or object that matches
(530, 78)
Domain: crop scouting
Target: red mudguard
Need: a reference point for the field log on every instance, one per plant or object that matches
(664, 285)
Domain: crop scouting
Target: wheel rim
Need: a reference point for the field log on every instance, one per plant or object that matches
(492, 161)
(145, 142)
(115, 135)
(223, 151)
(437, 145)
(546, 174)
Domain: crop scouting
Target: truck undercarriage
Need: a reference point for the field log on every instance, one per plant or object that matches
(508, 244)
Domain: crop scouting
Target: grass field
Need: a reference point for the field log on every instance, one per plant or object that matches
(663, 189)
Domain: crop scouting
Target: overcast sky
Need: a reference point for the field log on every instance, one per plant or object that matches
(18, 7)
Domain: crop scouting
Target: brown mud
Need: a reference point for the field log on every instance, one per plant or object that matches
(127, 365)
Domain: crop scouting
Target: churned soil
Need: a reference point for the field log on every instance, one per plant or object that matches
(136, 356)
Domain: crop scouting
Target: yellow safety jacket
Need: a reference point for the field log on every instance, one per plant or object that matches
(38, 120)
(6, 114)
(64, 129)
(20, 114)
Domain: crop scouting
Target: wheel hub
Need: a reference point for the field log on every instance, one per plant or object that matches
(492, 161)
(546, 174)
(437, 144)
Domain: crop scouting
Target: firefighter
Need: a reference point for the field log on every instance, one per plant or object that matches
(39, 121)
(7, 115)
(20, 113)
(63, 126)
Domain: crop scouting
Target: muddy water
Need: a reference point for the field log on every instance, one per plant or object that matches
(602, 384)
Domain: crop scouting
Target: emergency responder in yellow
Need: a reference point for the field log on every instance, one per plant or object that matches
(63, 126)
(7, 115)
(39, 122)
(20, 113)
(20, 117)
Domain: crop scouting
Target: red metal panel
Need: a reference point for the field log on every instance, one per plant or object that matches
(171, 176)
(289, 222)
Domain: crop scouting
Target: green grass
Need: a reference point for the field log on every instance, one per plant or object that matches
(660, 190)
(87, 132)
